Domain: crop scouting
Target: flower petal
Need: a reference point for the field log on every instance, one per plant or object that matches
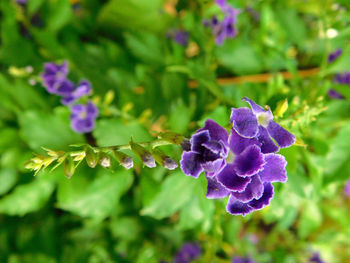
(216, 147)
(238, 143)
(190, 164)
(265, 199)
(216, 132)
(274, 169)
(255, 107)
(215, 189)
(283, 137)
(235, 207)
(228, 177)
(213, 167)
(254, 189)
(267, 144)
(249, 162)
(244, 122)
(198, 139)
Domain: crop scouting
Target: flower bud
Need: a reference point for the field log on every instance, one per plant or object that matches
(164, 160)
(105, 160)
(91, 157)
(186, 145)
(124, 160)
(143, 154)
(69, 167)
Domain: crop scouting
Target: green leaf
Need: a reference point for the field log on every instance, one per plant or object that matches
(59, 15)
(113, 132)
(28, 198)
(180, 117)
(50, 130)
(8, 178)
(29, 258)
(310, 220)
(176, 191)
(34, 5)
(342, 64)
(99, 198)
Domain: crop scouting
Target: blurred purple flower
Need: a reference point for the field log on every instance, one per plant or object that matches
(347, 189)
(335, 94)
(316, 258)
(83, 89)
(21, 1)
(188, 253)
(83, 117)
(225, 28)
(55, 78)
(238, 259)
(333, 56)
(180, 36)
(243, 165)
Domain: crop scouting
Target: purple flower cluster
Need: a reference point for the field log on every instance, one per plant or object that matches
(244, 164)
(238, 259)
(225, 28)
(342, 78)
(56, 82)
(188, 253)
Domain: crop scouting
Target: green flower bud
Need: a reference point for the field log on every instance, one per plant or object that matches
(105, 160)
(91, 157)
(164, 160)
(124, 160)
(172, 137)
(69, 167)
(143, 154)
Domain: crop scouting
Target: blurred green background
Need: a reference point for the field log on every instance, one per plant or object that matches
(145, 215)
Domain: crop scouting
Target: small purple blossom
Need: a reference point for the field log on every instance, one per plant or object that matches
(21, 1)
(335, 94)
(55, 78)
(242, 165)
(226, 27)
(238, 259)
(347, 189)
(188, 253)
(179, 36)
(83, 117)
(316, 258)
(333, 56)
(83, 89)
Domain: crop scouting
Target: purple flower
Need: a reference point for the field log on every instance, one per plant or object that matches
(333, 56)
(342, 78)
(347, 189)
(188, 253)
(180, 37)
(238, 259)
(21, 1)
(243, 165)
(259, 123)
(83, 117)
(55, 78)
(316, 258)
(335, 94)
(83, 89)
(225, 28)
(208, 150)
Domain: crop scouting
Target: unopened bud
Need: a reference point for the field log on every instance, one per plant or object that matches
(91, 157)
(105, 160)
(186, 145)
(164, 160)
(124, 160)
(69, 167)
(143, 154)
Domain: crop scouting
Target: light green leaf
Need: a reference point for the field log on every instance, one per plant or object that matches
(59, 15)
(28, 198)
(99, 197)
(176, 191)
(8, 178)
(180, 117)
(310, 220)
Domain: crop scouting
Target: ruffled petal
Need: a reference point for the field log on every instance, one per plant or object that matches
(283, 137)
(244, 122)
(228, 177)
(254, 189)
(216, 147)
(198, 139)
(216, 132)
(190, 164)
(274, 169)
(211, 168)
(267, 144)
(255, 107)
(249, 162)
(238, 143)
(215, 190)
(265, 199)
(235, 207)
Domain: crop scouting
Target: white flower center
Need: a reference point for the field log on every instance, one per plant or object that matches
(264, 118)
